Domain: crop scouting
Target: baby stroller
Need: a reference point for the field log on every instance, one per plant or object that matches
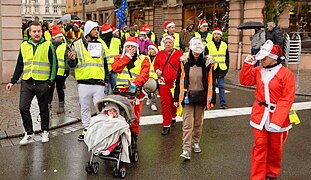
(126, 111)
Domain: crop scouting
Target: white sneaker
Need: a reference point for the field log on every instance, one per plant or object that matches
(148, 102)
(154, 107)
(196, 148)
(185, 154)
(26, 139)
(45, 137)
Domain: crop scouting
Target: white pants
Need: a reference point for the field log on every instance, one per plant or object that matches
(87, 93)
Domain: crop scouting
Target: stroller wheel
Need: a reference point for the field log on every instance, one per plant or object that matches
(88, 167)
(115, 171)
(122, 172)
(135, 156)
(95, 167)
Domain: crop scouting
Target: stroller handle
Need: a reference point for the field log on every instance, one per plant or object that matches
(130, 95)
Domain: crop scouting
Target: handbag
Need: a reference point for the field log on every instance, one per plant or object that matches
(197, 97)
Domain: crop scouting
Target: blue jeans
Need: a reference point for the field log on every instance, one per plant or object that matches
(221, 87)
(112, 81)
(254, 52)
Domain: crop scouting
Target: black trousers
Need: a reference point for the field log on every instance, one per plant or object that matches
(27, 92)
(59, 81)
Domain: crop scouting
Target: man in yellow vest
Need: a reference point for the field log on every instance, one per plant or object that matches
(37, 65)
(151, 35)
(219, 50)
(179, 43)
(74, 33)
(91, 71)
(203, 32)
(133, 69)
(63, 68)
(48, 32)
(112, 47)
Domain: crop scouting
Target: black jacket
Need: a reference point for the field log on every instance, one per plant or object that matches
(275, 35)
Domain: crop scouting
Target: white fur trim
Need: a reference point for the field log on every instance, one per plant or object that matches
(217, 31)
(130, 43)
(147, 29)
(158, 70)
(168, 37)
(154, 48)
(142, 32)
(273, 56)
(115, 31)
(203, 24)
(57, 35)
(107, 31)
(170, 24)
(274, 126)
(128, 55)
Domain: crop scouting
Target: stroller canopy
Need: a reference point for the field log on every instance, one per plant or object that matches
(122, 102)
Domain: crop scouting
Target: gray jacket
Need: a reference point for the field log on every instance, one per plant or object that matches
(258, 39)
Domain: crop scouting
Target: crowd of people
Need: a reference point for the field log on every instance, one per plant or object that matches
(186, 66)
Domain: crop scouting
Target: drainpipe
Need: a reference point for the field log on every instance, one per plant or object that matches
(241, 35)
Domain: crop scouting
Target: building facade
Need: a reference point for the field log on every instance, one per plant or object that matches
(43, 10)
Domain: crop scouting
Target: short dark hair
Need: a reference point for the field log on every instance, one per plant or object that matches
(35, 24)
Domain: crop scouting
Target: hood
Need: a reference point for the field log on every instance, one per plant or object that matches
(189, 22)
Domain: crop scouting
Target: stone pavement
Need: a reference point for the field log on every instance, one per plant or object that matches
(11, 124)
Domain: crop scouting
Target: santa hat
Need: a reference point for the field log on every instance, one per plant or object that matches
(217, 30)
(147, 27)
(111, 105)
(167, 25)
(77, 24)
(114, 30)
(89, 25)
(142, 30)
(130, 41)
(203, 23)
(106, 28)
(154, 47)
(168, 37)
(124, 26)
(56, 32)
(196, 45)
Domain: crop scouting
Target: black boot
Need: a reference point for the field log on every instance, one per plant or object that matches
(134, 140)
(173, 124)
(165, 131)
(271, 178)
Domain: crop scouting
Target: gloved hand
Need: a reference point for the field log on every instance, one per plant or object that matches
(133, 88)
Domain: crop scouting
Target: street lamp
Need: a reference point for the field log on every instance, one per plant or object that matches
(83, 9)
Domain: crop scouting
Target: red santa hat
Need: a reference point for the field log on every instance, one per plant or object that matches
(114, 30)
(203, 23)
(56, 32)
(77, 24)
(154, 47)
(167, 25)
(168, 37)
(142, 30)
(217, 30)
(147, 27)
(130, 41)
(106, 28)
(124, 26)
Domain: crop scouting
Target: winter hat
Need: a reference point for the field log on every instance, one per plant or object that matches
(106, 28)
(111, 105)
(217, 30)
(56, 32)
(196, 45)
(203, 23)
(167, 25)
(168, 37)
(154, 47)
(142, 30)
(114, 30)
(77, 24)
(89, 25)
(147, 27)
(269, 49)
(130, 41)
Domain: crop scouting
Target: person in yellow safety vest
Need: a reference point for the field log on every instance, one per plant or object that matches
(219, 50)
(203, 32)
(37, 64)
(152, 96)
(195, 91)
(74, 33)
(125, 28)
(116, 33)
(151, 35)
(179, 43)
(91, 71)
(48, 32)
(112, 47)
(63, 68)
(25, 29)
(133, 69)
(132, 33)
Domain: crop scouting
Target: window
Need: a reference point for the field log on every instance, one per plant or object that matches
(74, 2)
(47, 9)
(63, 10)
(47, 1)
(36, 8)
(55, 9)
(55, 1)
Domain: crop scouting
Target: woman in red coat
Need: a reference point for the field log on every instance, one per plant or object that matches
(166, 65)
(275, 92)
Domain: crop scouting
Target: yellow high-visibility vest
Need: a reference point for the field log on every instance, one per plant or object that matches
(25, 35)
(60, 53)
(152, 73)
(47, 35)
(176, 41)
(125, 78)
(153, 37)
(112, 51)
(73, 35)
(293, 117)
(219, 56)
(208, 38)
(88, 67)
(36, 65)
(128, 35)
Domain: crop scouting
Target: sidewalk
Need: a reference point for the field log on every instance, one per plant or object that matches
(11, 123)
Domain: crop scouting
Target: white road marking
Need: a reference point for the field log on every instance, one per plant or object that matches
(219, 113)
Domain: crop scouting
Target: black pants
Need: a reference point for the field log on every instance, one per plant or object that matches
(59, 81)
(27, 92)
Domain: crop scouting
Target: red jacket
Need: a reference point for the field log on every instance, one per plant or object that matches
(281, 90)
(169, 73)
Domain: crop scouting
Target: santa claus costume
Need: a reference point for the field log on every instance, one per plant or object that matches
(275, 92)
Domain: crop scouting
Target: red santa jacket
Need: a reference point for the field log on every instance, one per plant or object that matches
(280, 84)
(169, 73)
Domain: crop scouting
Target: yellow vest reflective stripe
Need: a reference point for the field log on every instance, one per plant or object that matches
(88, 67)
(25, 36)
(125, 78)
(219, 56)
(112, 51)
(176, 41)
(60, 53)
(293, 117)
(208, 38)
(36, 65)
(153, 37)
(152, 73)
(47, 35)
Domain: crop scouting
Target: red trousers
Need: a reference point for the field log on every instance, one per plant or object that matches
(167, 103)
(137, 111)
(267, 154)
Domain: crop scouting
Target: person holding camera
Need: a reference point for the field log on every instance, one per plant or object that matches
(195, 91)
